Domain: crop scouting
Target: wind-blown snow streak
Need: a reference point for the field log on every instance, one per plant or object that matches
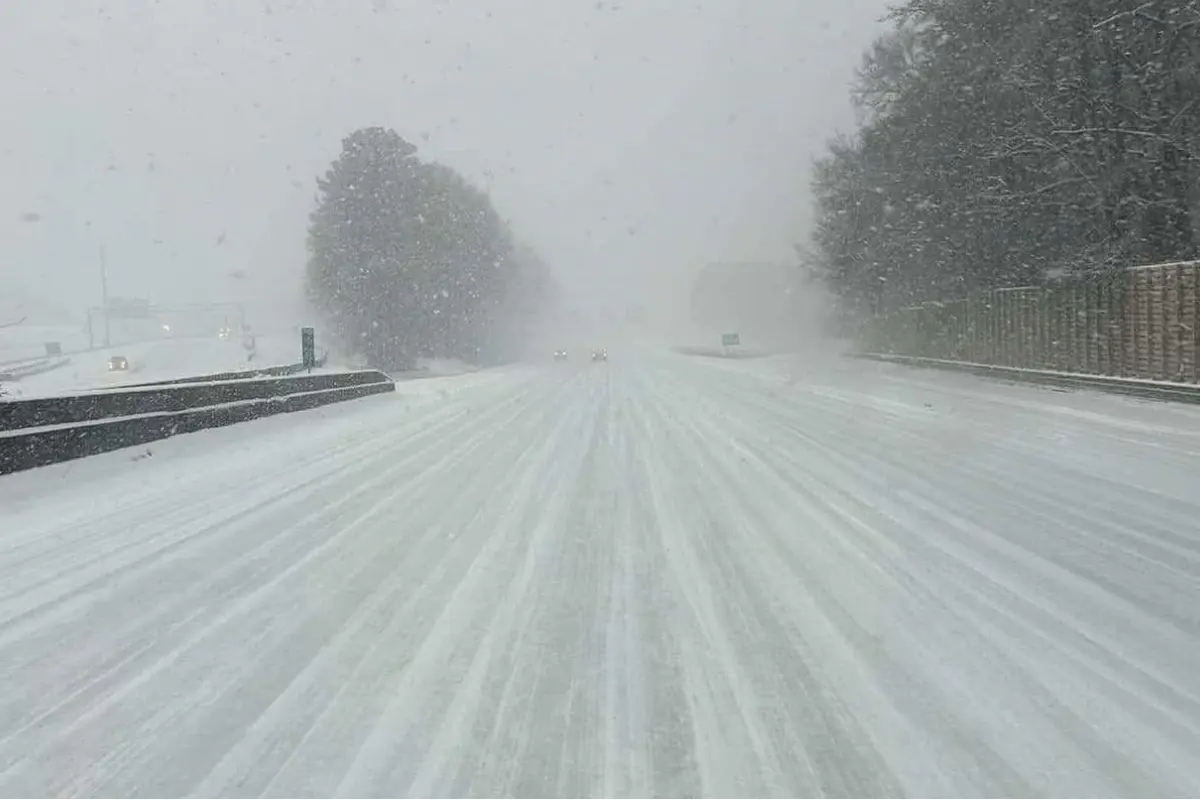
(655, 576)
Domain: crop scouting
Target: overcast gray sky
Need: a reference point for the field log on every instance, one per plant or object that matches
(628, 140)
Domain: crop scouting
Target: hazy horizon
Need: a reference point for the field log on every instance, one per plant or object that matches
(627, 142)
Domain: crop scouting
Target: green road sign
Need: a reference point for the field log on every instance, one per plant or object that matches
(308, 347)
(730, 339)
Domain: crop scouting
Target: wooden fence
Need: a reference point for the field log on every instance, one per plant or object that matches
(1142, 322)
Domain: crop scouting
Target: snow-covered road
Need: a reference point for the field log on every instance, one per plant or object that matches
(658, 576)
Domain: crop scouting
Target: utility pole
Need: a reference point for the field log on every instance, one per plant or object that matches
(104, 297)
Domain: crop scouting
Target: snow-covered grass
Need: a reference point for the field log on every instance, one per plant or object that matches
(25, 369)
(165, 359)
(709, 351)
(26, 342)
(444, 366)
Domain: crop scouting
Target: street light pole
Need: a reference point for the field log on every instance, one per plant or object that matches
(104, 297)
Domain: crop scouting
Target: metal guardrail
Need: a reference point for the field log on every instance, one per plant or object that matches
(1153, 390)
(44, 431)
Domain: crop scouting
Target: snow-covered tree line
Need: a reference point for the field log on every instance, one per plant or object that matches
(408, 260)
(1004, 141)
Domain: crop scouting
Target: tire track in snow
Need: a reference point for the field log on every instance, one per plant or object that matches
(646, 577)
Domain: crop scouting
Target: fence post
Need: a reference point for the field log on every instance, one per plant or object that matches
(1124, 314)
(1159, 295)
(1078, 341)
(1103, 327)
(1002, 339)
(1145, 326)
(1020, 307)
(1032, 318)
(1040, 352)
(1180, 330)
(1086, 325)
(1172, 365)
(1192, 309)
(1062, 335)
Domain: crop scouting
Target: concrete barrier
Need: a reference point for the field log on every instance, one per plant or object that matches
(101, 404)
(40, 432)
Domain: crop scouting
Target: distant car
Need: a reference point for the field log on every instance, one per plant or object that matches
(600, 354)
(560, 355)
(118, 364)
